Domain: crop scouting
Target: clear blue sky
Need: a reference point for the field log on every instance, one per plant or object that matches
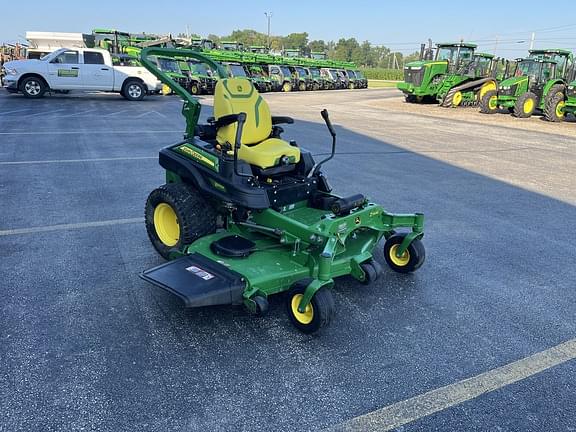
(397, 26)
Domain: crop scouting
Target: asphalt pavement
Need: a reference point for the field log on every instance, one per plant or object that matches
(85, 344)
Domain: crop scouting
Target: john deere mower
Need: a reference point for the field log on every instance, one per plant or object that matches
(245, 214)
(534, 83)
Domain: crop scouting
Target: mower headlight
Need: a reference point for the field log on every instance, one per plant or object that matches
(505, 88)
(417, 68)
(571, 87)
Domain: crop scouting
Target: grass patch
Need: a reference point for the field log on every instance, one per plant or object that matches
(381, 83)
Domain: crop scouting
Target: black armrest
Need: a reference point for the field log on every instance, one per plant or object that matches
(280, 119)
(226, 120)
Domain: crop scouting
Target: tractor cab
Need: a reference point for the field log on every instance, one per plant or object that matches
(563, 58)
(457, 55)
(538, 72)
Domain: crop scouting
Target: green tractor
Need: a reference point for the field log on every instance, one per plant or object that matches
(303, 80)
(424, 79)
(535, 82)
(318, 81)
(245, 215)
(469, 83)
(561, 104)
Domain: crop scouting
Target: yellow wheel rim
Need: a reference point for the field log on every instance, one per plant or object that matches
(166, 224)
(559, 109)
(493, 102)
(457, 99)
(486, 88)
(528, 106)
(166, 90)
(401, 261)
(302, 318)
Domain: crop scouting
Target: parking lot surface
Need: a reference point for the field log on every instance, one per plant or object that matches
(85, 344)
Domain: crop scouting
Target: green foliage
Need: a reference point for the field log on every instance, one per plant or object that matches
(383, 74)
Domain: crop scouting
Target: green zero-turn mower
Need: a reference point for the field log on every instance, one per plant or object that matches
(533, 85)
(245, 214)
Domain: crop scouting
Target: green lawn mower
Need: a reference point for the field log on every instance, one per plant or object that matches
(245, 214)
(533, 85)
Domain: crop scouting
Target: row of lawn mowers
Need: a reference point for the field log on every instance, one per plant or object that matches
(245, 214)
(456, 75)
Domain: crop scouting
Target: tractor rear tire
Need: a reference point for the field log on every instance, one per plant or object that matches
(176, 215)
(412, 258)
(318, 313)
(525, 105)
(553, 109)
(489, 102)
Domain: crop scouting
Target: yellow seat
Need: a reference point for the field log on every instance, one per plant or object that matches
(236, 95)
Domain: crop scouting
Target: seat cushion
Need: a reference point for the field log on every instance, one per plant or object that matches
(268, 153)
(236, 95)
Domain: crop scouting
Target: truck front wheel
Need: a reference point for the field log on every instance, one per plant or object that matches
(133, 90)
(33, 87)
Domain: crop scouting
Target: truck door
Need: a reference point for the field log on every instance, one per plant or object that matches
(97, 74)
(64, 71)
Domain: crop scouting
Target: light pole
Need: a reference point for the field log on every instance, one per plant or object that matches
(269, 17)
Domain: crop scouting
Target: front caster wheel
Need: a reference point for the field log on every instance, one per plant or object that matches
(262, 306)
(317, 314)
(412, 258)
(372, 270)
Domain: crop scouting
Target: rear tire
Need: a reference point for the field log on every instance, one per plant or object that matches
(33, 87)
(318, 313)
(134, 90)
(525, 105)
(176, 215)
(553, 109)
(302, 86)
(489, 102)
(287, 87)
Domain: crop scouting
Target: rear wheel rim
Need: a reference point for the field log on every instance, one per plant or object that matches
(134, 90)
(166, 224)
(305, 317)
(32, 88)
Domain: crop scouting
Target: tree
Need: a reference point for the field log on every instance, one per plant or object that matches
(317, 45)
(296, 40)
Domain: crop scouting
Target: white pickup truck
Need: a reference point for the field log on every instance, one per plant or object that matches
(78, 69)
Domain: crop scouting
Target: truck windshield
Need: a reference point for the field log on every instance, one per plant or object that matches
(237, 70)
(169, 65)
(301, 72)
(200, 69)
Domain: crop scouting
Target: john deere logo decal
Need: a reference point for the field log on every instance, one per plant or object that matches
(239, 88)
(357, 220)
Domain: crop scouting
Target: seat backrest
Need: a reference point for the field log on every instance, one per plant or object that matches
(236, 95)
